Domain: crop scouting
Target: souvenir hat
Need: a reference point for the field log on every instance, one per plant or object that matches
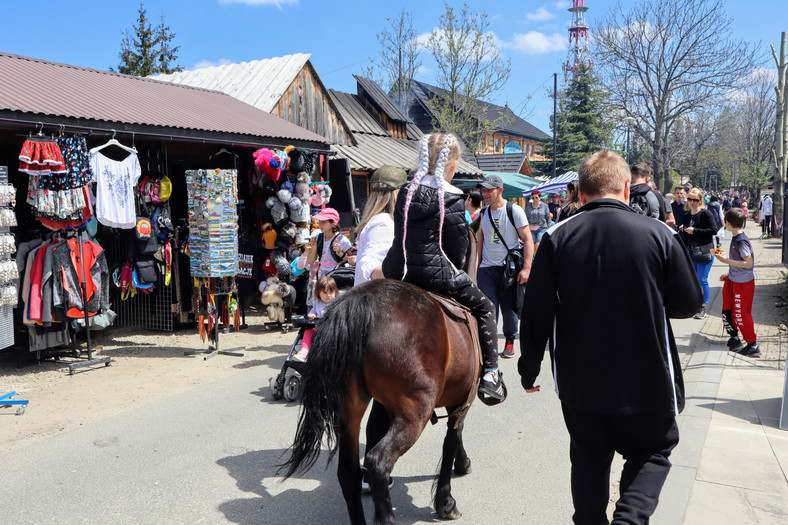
(491, 182)
(328, 214)
(387, 178)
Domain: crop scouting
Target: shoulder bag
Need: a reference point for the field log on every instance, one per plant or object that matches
(513, 262)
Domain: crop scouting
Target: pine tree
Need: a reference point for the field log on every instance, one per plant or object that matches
(583, 124)
(146, 50)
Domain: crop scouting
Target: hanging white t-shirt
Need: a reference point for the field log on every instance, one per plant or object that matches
(115, 181)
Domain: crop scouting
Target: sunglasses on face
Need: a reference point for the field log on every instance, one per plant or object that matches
(693, 200)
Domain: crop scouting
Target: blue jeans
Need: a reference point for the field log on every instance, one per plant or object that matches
(488, 279)
(702, 271)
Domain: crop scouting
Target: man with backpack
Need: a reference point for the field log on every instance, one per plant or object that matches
(503, 226)
(642, 198)
(716, 211)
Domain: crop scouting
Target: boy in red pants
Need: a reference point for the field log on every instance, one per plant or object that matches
(739, 287)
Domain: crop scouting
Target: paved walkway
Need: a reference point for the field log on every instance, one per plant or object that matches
(733, 458)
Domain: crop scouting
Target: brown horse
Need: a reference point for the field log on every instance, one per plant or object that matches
(390, 341)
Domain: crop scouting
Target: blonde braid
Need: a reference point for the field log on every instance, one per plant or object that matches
(424, 164)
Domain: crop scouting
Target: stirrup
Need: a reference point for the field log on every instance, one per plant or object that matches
(489, 397)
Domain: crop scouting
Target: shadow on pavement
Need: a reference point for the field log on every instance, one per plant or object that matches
(314, 497)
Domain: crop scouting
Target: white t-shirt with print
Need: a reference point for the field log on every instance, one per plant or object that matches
(115, 181)
(327, 261)
(494, 251)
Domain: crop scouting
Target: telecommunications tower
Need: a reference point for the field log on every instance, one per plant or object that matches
(578, 39)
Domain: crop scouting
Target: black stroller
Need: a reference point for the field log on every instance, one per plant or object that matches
(287, 383)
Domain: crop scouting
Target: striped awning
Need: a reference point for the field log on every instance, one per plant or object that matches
(555, 185)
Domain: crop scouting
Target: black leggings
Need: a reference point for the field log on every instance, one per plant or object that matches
(484, 311)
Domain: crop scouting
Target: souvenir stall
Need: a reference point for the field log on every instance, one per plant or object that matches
(285, 199)
(64, 274)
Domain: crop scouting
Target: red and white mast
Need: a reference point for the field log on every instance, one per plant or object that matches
(578, 39)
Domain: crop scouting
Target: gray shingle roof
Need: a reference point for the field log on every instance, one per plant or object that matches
(515, 126)
(502, 162)
(374, 146)
(382, 99)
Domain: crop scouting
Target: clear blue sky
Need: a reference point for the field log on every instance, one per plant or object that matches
(339, 34)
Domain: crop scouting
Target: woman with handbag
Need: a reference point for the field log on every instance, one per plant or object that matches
(698, 229)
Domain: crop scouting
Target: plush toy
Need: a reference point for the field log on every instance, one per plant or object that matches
(297, 160)
(282, 265)
(263, 160)
(299, 212)
(279, 161)
(268, 235)
(302, 236)
(273, 300)
(325, 192)
(284, 239)
(293, 254)
(301, 189)
(278, 209)
(287, 293)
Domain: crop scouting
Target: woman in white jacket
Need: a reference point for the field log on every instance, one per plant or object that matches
(377, 224)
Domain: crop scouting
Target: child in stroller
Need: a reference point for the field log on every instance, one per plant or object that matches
(325, 291)
(288, 383)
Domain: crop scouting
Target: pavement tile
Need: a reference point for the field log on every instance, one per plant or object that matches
(700, 399)
(739, 455)
(692, 436)
(714, 504)
(673, 499)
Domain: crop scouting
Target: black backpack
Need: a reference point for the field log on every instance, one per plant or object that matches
(320, 240)
(714, 208)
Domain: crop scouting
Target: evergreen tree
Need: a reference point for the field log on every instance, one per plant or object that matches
(583, 124)
(146, 50)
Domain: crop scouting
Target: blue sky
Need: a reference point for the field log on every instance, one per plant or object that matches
(339, 34)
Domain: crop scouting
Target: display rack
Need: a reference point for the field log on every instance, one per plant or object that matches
(220, 289)
(6, 310)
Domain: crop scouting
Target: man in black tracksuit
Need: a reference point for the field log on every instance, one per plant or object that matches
(602, 288)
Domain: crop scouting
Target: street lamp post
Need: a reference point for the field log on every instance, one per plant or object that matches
(629, 121)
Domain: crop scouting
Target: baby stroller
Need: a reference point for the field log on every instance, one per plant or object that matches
(287, 383)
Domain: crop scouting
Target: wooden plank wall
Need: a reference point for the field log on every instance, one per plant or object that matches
(306, 104)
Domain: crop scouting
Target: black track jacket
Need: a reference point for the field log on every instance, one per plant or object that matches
(602, 287)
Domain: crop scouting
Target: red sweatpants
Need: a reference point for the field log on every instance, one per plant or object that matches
(737, 297)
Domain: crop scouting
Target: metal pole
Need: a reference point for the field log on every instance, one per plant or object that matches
(555, 118)
(627, 143)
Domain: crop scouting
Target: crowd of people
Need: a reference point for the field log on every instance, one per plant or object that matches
(600, 244)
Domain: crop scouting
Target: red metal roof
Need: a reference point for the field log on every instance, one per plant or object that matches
(40, 87)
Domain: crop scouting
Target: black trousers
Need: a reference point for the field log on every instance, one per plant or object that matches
(644, 440)
(766, 225)
(484, 311)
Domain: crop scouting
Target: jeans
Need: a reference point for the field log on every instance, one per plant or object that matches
(488, 278)
(702, 271)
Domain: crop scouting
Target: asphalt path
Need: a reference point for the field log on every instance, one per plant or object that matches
(209, 456)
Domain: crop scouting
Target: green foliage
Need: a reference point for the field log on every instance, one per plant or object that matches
(583, 124)
(146, 50)
(469, 70)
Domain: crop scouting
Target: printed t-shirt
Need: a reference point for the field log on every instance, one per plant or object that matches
(740, 248)
(327, 261)
(115, 181)
(494, 251)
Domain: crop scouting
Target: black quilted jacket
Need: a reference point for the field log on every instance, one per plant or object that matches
(427, 267)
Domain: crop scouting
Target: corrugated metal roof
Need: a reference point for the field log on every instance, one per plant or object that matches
(503, 162)
(382, 99)
(260, 83)
(516, 125)
(375, 147)
(47, 88)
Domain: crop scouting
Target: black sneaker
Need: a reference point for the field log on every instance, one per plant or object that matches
(751, 350)
(492, 385)
(508, 350)
(734, 343)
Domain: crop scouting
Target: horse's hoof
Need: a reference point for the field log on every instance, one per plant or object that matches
(448, 510)
(452, 514)
(463, 470)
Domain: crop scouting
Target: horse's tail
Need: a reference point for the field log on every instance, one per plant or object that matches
(335, 355)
